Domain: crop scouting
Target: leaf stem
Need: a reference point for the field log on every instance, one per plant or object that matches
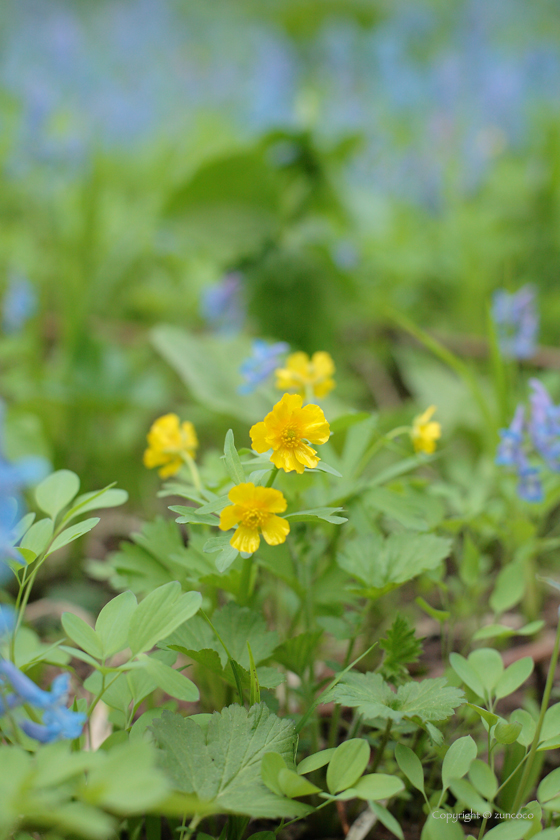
(521, 790)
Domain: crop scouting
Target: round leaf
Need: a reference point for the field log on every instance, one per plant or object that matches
(56, 491)
(349, 761)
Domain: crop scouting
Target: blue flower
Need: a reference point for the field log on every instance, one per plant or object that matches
(544, 425)
(258, 367)
(58, 721)
(510, 448)
(19, 304)
(222, 305)
(529, 487)
(517, 322)
(58, 724)
(7, 620)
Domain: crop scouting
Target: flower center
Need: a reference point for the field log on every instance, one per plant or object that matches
(290, 438)
(253, 518)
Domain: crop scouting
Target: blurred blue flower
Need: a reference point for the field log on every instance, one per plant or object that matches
(530, 488)
(19, 304)
(58, 721)
(510, 450)
(222, 305)
(544, 425)
(7, 620)
(517, 322)
(258, 367)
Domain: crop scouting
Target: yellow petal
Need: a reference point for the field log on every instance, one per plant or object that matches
(306, 456)
(170, 469)
(275, 530)
(323, 364)
(242, 494)
(285, 459)
(153, 458)
(229, 517)
(246, 539)
(270, 499)
(259, 437)
(312, 424)
(321, 389)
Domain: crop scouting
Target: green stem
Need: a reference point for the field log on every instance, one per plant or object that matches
(382, 745)
(271, 477)
(245, 582)
(544, 706)
(193, 469)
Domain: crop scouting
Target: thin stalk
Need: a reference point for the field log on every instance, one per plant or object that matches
(544, 706)
(271, 477)
(193, 469)
(382, 745)
(245, 582)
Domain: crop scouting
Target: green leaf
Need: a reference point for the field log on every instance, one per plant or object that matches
(210, 368)
(292, 785)
(514, 676)
(22, 527)
(326, 468)
(549, 788)
(528, 724)
(223, 766)
(72, 533)
(125, 780)
(38, 536)
(97, 500)
(378, 786)
(489, 667)
(410, 765)
(170, 680)
(316, 761)
(234, 466)
(491, 631)
(490, 718)
(509, 588)
(56, 491)
(401, 649)
(507, 733)
(458, 760)
(159, 614)
(297, 653)
(327, 514)
(190, 515)
(384, 816)
(113, 623)
(438, 615)
(440, 825)
(397, 507)
(466, 673)
(382, 564)
(426, 700)
(484, 779)
(271, 765)
(466, 793)
(81, 633)
(511, 830)
(349, 761)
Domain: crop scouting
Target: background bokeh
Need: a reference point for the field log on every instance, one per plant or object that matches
(287, 169)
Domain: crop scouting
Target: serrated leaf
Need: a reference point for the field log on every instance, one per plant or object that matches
(297, 653)
(56, 491)
(383, 563)
(72, 533)
(427, 700)
(223, 766)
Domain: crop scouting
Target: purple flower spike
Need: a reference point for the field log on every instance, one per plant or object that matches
(517, 322)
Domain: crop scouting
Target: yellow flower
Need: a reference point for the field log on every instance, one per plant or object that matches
(168, 442)
(301, 373)
(425, 431)
(254, 509)
(286, 430)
